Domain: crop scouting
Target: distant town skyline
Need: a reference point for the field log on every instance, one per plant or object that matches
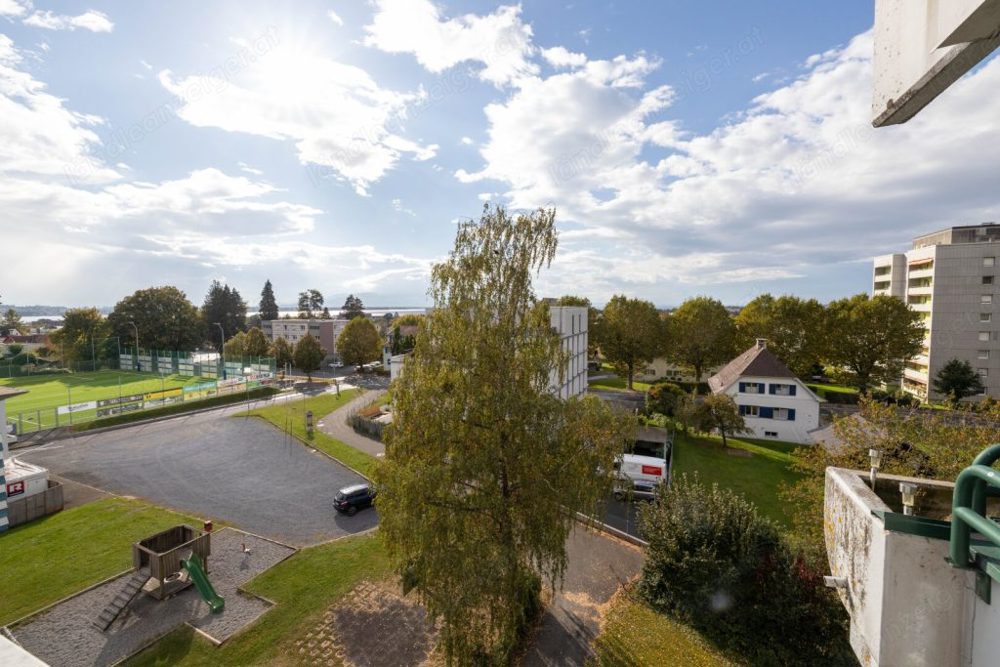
(687, 150)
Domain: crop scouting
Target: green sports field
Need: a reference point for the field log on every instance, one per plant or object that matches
(47, 392)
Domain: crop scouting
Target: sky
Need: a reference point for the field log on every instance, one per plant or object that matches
(721, 148)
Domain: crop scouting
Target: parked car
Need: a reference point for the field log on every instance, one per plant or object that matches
(337, 365)
(350, 499)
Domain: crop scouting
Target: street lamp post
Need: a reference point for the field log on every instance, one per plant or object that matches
(137, 366)
(223, 348)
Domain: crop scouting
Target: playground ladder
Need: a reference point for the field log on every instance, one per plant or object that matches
(121, 600)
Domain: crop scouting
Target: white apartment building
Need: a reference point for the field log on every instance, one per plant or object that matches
(570, 322)
(950, 278)
(773, 402)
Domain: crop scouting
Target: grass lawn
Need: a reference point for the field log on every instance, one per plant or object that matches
(303, 587)
(45, 392)
(290, 416)
(756, 478)
(48, 559)
(634, 635)
(617, 384)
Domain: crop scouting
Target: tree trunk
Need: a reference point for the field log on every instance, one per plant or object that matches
(631, 373)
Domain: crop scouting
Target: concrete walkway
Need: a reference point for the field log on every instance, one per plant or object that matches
(335, 424)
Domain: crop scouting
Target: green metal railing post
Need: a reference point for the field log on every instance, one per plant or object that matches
(969, 506)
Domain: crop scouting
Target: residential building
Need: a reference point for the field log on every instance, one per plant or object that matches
(774, 403)
(570, 322)
(662, 369)
(950, 278)
(293, 330)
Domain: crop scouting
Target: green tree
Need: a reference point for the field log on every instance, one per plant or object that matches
(268, 304)
(308, 355)
(631, 334)
(282, 352)
(869, 339)
(310, 303)
(484, 468)
(716, 564)
(223, 304)
(956, 380)
(235, 347)
(794, 329)
(82, 335)
(325, 315)
(702, 335)
(359, 342)
(255, 344)
(353, 307)
(664, 399)
(166, 320)
(720, 412)
(11, 321)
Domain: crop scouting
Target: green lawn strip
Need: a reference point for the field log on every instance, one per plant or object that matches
(617, 384)
(756, 478)
(63, 553)
(634, 635)
(177, 408)
(290, 416)
(302, 587)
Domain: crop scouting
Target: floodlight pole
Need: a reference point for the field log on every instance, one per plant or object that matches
(136, 346)
(223, 348)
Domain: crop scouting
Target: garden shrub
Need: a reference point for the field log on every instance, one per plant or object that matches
(716, 564)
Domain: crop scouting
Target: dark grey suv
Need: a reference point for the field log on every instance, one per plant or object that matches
(350, 499)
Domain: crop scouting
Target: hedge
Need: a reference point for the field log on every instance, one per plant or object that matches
(177, 408)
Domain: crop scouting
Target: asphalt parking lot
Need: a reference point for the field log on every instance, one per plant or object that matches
(623, 515)
(239, 470)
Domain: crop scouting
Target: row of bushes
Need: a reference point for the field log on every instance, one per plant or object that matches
(177, 408)
(366, 427)
(714, 563)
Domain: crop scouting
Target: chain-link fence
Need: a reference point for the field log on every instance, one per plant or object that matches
(58, 396)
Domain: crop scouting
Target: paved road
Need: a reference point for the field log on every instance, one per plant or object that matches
(623, 515)
(334, 425)
(238, 470)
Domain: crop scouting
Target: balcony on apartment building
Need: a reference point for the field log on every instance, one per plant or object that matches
(916, 563)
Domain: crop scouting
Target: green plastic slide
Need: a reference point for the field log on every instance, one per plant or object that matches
(197, 573)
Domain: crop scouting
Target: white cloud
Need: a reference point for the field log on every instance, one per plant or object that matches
(397, 205)
(797, 182)
(244, 167)
(39, 135)
(340, 119)
(335, 17)
(90, 20)
(561, 57)
(500, 41)
(467, 141)
(12, 8)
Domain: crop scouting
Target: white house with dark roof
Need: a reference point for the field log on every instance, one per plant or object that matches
(774, 403)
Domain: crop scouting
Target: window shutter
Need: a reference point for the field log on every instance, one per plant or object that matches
(743, 410)
(767, 413)
(772, 389)
(791, 389)
(791, 414)
(743, 387)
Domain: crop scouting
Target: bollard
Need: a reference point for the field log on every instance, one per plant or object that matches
(309, 423)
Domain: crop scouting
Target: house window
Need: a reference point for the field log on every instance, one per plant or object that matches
(782, 389)
(983, 354)
(983, 372)
(986, 299)
(989, 262)
(985, 317)
(770, 434)
(783, 414)
(984, 336)
(987, 280)
(750, 410)
(751, 387)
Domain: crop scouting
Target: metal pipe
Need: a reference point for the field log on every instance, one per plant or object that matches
(964, 516)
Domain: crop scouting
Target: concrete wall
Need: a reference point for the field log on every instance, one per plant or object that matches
(908, 605)
(805, 404)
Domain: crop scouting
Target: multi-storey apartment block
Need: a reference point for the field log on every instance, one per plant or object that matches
(950, 278)
(570, 322)
(293, 330)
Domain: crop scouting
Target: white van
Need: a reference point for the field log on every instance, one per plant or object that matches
(646, 466)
